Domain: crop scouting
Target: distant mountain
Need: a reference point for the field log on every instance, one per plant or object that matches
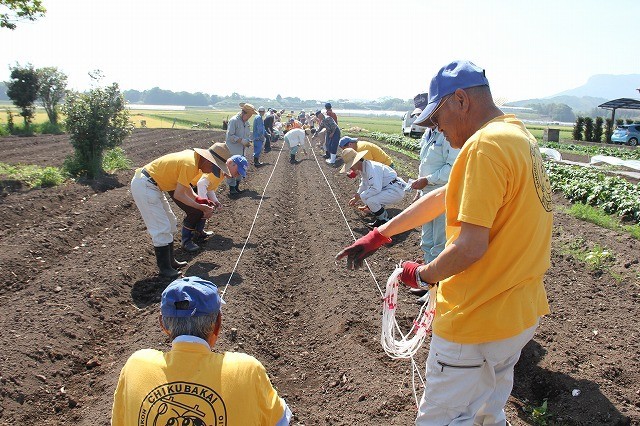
(607, 86)
(598, 90)
(577, 104)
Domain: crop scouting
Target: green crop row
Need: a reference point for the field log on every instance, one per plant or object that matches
(622, 153)
(613, 194)
(397, 140)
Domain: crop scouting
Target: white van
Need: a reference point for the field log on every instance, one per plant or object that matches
(410, 129)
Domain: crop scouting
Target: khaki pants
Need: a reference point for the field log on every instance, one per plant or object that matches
(155, 210)
(469, 384)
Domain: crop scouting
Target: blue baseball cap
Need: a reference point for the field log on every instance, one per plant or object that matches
(421, 100)
(344, 141)
(201, 294)
(242, 164)
(456, 75)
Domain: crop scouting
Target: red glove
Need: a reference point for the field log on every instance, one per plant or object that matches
(352, 174)
(363, 248)
(204, 201)
(409, 274)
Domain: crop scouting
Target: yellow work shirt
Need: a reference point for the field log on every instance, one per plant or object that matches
(190, 384)
(498, 181)
(375, 153)
(176, 168)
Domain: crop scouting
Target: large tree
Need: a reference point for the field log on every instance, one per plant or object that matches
(12, 11)
(53, 87)
(23, 91)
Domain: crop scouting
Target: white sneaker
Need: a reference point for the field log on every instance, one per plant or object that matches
(328, 161)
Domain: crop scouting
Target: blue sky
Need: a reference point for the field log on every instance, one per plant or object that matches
(329, 49)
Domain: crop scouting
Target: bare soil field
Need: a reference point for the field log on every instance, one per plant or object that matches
(79, 293)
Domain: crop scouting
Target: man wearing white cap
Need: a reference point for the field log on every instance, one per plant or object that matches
(191, 384)
(379, 184)
(238, 138)
(490, 275)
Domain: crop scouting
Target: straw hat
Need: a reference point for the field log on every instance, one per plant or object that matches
(248, 108)
(351, 157)
(217, 154)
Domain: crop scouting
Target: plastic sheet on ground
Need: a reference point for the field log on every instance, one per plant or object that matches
(631, 164)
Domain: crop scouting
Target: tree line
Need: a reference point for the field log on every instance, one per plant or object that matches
(590, 130)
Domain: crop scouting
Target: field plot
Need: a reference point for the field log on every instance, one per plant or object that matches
(79, 293)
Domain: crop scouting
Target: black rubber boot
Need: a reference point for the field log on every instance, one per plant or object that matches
(200, 233)
(163, 259)
(293, 159)
(256, 162)
(175, 264)
(233, 191)
(238, 190)
(187, 240)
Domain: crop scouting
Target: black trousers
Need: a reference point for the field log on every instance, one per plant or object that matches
(193, 215)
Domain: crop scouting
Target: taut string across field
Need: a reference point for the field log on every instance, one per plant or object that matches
(405, 347)
(252, 224)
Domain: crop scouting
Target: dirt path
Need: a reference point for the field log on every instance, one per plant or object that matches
(78, 295)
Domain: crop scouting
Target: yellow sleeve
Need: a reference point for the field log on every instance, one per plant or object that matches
(484, 189)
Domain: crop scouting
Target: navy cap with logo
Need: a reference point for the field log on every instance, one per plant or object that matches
(456, 75)
(201, 294)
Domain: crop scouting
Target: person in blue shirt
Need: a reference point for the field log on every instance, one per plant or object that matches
(436, 159)
(259, 136)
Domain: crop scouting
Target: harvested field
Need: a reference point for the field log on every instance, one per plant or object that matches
(79, 293)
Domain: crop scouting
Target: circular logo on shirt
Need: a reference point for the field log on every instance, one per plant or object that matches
(540, 177)
(182, 403)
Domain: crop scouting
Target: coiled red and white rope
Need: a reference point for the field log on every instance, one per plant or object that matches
(396, 344)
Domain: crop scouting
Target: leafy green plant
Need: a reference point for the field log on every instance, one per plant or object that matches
(578, 128)
(115, 159)
(96, 120)
(613, 194)
(597, 130)
(48, 128)
(34, 176)
(540, 415)
(597, 257)
(588, 129)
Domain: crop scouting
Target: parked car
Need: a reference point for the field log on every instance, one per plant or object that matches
(410, 129)
(626, 133)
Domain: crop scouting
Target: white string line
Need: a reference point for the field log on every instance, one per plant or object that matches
(253, 223)
(414, 365)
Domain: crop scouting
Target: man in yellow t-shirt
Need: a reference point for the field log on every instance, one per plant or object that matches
(190, 384)
(374, 152)
(498, 215)
(172, 173)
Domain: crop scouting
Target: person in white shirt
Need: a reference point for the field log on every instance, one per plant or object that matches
(295, 139)
(379, 185)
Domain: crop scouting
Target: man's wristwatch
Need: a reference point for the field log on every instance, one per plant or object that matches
(423, 284)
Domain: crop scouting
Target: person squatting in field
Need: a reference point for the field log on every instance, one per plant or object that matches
(238, 138)
(490, 293)
(332, 137)
(191, 384)
(206, 186)
(379, 184)
(295, 139)
(172, 173)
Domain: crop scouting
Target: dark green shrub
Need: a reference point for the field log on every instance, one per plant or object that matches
(48, 128)
(96, 121)
(597, 130)
(588, 129)
(578, 128)
(608, 129)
